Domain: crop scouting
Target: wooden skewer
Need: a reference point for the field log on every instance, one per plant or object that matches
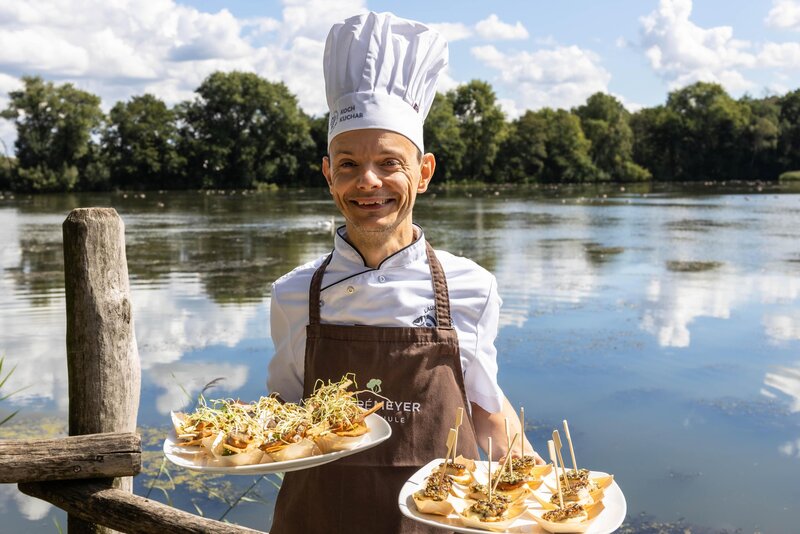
(459, 421)
(571, 450)
(557, 441)
(490, 469)
(508, 445)
(522, 425)
(554, 459)
(500, 472)
(451, 436)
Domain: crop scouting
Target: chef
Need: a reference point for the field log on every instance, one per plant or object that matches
(416, 326)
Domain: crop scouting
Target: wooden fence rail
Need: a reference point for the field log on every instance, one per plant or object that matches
(92, 456)
(104, 386)
(98, 502)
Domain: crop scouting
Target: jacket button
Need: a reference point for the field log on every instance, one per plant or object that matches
(350, 290)
(381, 278)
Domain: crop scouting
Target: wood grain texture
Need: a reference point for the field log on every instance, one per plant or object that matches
(102, 356)
(123, 511)
(92, 456)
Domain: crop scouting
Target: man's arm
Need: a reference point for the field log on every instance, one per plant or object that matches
(493, 424)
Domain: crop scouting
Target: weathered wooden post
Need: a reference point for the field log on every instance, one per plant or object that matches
(102, 357)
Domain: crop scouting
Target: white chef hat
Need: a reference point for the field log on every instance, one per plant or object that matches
(381, 72)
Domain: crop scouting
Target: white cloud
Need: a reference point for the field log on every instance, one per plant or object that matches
(123, 48)
(785, 14)
(452, 31)
(682, 52)
(492, 28)
(780, 55)
(558, 77)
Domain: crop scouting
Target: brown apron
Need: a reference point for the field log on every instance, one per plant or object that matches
(419, 370)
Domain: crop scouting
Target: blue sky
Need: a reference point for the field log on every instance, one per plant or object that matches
(534, 53)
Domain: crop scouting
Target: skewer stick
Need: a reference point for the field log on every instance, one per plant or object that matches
(500, 472)
(508, 446)
(554, 459)
(557, 441)
(571, 450)
(522, 425)
(451, 436)
(490, 468)
(459, 420)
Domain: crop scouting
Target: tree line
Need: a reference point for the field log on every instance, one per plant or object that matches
(241, 131)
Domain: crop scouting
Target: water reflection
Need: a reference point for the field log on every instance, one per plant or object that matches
(674, 314)
(785, 380)
(30, 507)
(181, 383)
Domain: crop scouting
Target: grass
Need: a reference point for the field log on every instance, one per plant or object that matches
(3, 380)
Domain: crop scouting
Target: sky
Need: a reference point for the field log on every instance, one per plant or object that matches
(535, 54)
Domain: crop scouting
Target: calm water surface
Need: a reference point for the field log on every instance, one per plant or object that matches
(664, 324)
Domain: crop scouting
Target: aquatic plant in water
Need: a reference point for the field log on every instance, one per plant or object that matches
(3, 380)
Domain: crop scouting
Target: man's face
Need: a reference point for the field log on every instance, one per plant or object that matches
(374, 177)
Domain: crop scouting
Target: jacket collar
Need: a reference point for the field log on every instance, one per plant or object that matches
(349, 257)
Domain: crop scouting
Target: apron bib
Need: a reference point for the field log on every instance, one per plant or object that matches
(419, 370)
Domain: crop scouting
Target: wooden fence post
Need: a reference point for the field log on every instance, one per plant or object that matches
(102, 357)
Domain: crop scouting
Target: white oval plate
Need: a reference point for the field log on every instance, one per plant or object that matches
(379, 431)
(606, 522)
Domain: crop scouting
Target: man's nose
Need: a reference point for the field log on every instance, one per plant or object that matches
(369, 179)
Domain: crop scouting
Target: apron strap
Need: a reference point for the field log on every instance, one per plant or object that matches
(440, 293)
(315, 290)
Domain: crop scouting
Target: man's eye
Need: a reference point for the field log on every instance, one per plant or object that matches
(392, 162)
(347, 164)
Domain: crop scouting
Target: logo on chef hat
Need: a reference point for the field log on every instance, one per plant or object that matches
(374, 385)
(334, 120)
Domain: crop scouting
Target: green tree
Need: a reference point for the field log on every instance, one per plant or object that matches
(567, 149)
(311, 168)
(54, 128)
(605, 123)
(139, 144)
(243, 130)
(712, 128)
(789, 131)
(482, 126)
(443, 138)
(657, 134)
(523, 153)
(761, 137)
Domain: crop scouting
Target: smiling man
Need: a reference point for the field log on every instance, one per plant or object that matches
(417, 324)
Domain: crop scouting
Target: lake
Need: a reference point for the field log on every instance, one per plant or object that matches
(662, 322)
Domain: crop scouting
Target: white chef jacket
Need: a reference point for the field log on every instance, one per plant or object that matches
(399, 293)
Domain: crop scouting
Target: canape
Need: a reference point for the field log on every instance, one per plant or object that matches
(432, 499)
(572, 517)
(495, 515)
(338, 421)
(461, 470)
(594, 485)
(527, 465)
(573, 495)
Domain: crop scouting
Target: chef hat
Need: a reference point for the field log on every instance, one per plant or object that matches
(381, 72)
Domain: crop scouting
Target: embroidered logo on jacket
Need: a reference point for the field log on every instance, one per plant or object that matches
(426, 320)
(374, 385)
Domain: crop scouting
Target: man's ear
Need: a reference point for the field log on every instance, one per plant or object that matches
(326, 171)
(426, 169)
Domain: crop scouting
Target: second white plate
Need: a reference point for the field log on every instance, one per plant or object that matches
(608, 521)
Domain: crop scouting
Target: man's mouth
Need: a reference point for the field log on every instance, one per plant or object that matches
(371, 202)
